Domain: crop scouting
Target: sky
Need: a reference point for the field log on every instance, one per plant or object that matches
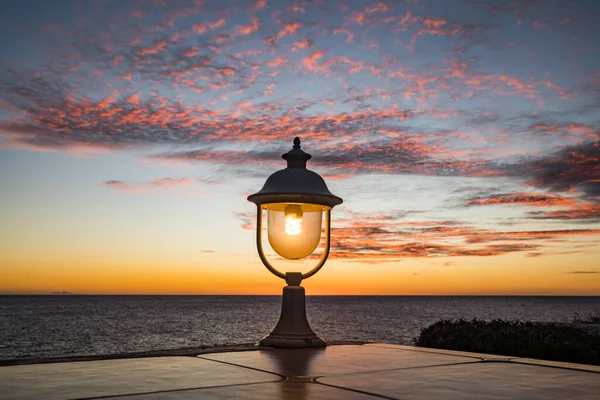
(463, 136)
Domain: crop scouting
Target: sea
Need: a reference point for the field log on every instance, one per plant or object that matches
(34, 327)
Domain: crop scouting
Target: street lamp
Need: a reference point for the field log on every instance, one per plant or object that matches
(295, 199)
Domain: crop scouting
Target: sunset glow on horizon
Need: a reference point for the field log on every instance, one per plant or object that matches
(463, 136)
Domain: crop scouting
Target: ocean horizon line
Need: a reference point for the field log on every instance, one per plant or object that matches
(279, 295)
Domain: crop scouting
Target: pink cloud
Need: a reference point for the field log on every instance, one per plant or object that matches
(156, 183)
(156, 48)
(249, 29)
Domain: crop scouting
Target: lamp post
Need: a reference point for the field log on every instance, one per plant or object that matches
(295, 199)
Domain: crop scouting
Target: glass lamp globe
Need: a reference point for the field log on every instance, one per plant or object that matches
(294, 229)
(295, 199)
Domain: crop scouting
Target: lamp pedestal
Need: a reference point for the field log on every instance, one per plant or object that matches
(293, 329)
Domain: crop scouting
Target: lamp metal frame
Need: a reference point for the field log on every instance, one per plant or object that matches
(267, 263)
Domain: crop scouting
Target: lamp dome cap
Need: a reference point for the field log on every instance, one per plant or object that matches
(295, 184)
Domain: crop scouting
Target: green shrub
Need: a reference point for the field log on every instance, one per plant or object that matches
(513, 338)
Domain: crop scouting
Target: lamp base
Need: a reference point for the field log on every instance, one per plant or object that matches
(292, 342)
(293, 330)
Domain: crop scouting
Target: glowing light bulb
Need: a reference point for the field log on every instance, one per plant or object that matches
(293, 220)
(293, 225)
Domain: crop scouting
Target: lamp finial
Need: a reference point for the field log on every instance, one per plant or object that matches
(296, 158)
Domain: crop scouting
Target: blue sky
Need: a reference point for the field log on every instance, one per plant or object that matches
(457, 132)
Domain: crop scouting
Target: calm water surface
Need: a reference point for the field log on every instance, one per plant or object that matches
(54, 326)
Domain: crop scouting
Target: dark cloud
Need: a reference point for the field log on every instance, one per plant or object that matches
(387, 237)
(583, 272)
(571, 168)
(396, 156)
(519, 198)
(578, 213)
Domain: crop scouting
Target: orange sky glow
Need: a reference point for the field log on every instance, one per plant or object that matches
(463, 136)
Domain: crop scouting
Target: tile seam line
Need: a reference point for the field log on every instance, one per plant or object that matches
(381, 396)
(315, 377)
(417, 350)
(284, 377)
(399, 369)
(189, 352)
(515, 361)
(110, 396)
(506, 359)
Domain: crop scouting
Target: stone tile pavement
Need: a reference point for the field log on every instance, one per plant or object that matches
(346, 371)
